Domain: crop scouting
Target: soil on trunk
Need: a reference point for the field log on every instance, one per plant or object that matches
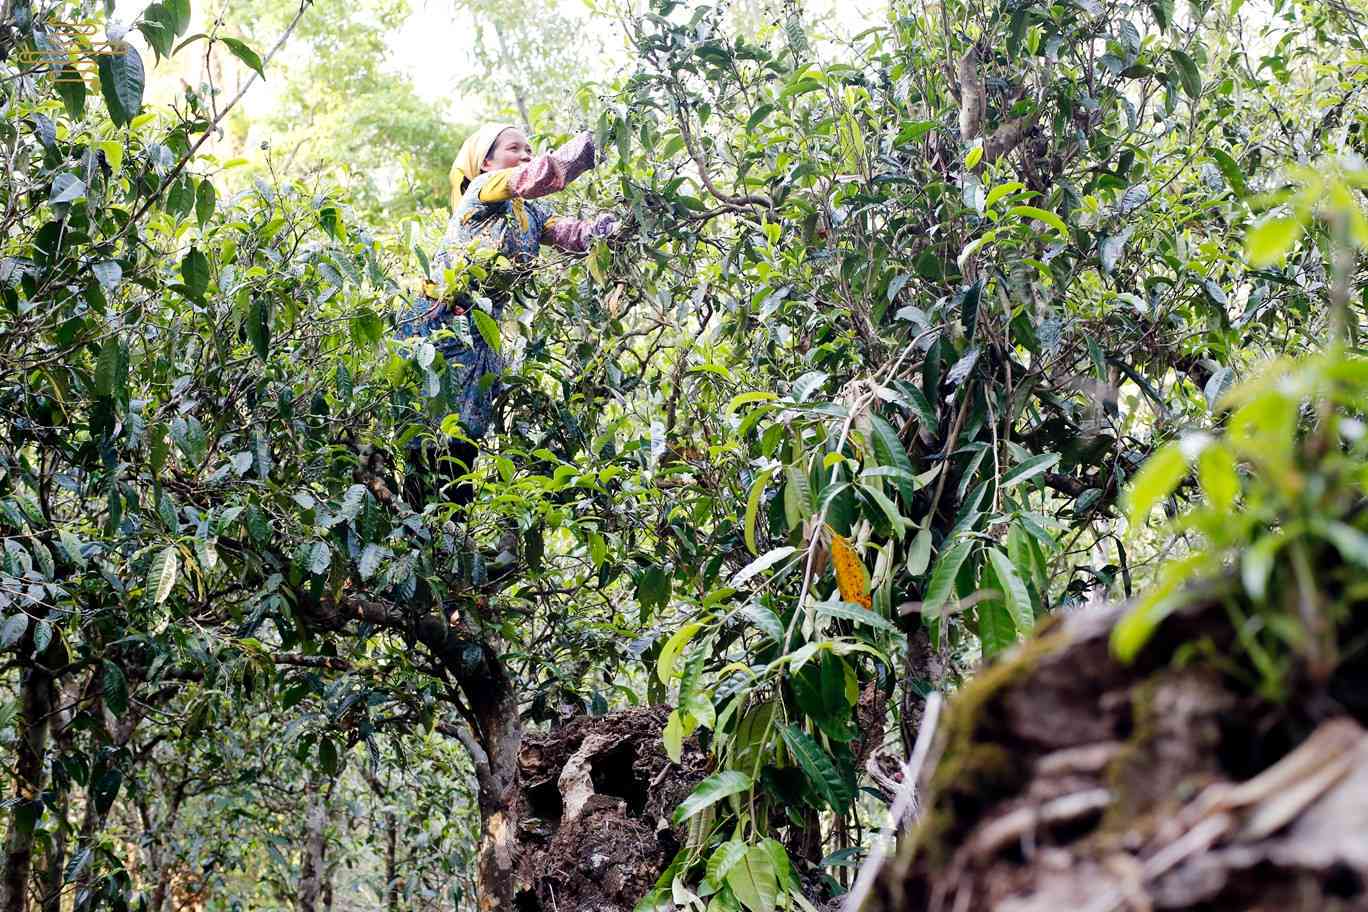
(593, 804)
(1064, 779)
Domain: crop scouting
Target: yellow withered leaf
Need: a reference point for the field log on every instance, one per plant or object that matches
(851, 576)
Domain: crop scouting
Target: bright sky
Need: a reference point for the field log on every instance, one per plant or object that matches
(434, 48)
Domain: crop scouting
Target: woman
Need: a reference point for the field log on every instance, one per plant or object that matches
(493, 182)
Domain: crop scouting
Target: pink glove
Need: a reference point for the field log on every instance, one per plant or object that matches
(575, 235)
(551, 171)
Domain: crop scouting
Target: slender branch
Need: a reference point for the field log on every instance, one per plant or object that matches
(209, 130)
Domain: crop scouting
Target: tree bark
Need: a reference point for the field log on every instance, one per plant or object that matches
(53, 877)
(313, 868)
(494, 703)
(35, 695)
(54, 873)
(391, 862)
(491, 705)
(156, 850)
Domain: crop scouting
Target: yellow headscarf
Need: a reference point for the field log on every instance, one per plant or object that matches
(471, 158)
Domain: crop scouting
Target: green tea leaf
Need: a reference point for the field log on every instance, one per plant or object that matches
(819, 768)
(1015, 596)
(161, 575)
(757, 490)
(121, 82)
(710, 791)
(1187, 74)
(753, 881)
(195, 272)
(1269, 241)
(1036, 465)
(1157, 479)
(942, 584)
(244, 53)
(1043, 215)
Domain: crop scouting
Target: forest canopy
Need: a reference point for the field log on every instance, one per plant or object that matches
(970, 392)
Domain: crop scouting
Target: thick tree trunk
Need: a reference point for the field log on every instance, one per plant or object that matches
(35, 695)
(495, 706)
(491, 700)
(313, 869)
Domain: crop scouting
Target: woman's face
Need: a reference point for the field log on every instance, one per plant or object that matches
(510, 150)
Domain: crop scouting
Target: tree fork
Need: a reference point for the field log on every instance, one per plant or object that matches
(492, 697)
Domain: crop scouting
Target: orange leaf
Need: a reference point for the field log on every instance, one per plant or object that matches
(851, 577)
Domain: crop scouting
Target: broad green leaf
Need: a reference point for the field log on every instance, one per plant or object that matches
(1256, 564)
(195, 272)
(723, 860)
(71, 88)
(1000, 191)
(761, 564)
(14, 629)
(121, 82)
(1187, 73)
(653, 588)
(798, 504)
(748, 746)
(1230, 169)
(819, 768)
(942, 584)
(1015, 596)
(1157, 479)
(111, 368)
(161, 574)
(753, 508)
(710, 791)
(488, 329)
(319, 558)
(820, 690)
(852, 612)
(891, 452)
(1036, 465)
(765, 619)
(748, 398)
(896, 520)
(71, 546)
(753, 880)
(673, 737)
(996, 630)
(114, 687)
(1218, 476)
(1350, 542)
(1138, 624)
(1269, 241)
(673, 646)
(919, 554)
(244, 53)
(783, 868)
(327, 756)
(205, 201)
(1043, 215)
(259, 326)
(42, 637)
(694, 698)
(66, 188)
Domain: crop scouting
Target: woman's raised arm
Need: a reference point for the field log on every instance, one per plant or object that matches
(543, 175)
